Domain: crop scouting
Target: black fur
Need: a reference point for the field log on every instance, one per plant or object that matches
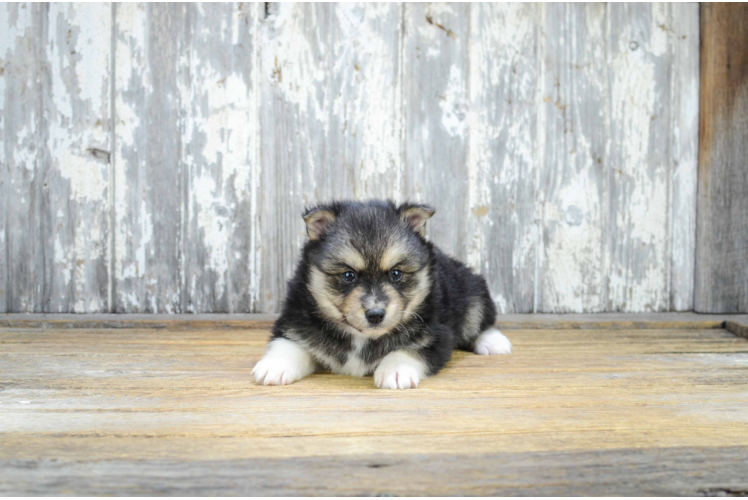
(438, 325)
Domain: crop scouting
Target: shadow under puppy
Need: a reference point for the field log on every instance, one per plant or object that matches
(371, 295)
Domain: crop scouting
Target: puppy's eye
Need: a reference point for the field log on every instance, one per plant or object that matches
(348, 276)
(396, 275)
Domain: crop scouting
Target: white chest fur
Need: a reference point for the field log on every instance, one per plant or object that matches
(354, 365)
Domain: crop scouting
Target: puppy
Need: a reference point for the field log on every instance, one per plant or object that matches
(371, 295)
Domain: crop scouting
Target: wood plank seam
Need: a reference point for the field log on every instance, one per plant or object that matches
(531, 321)
(736, 328)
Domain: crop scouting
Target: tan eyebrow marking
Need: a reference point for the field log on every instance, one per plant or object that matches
(351, 257)
(392, 256)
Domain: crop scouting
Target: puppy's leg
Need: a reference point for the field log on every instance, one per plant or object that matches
(400, 370)
(492, 341)
(478, 333)
(284, 362)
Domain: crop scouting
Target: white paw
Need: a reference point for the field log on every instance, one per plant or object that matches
(492, 341)
(284, 363)
(275, 371)
(399, 370)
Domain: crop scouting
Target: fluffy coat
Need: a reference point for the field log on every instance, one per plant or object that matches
(371, 295)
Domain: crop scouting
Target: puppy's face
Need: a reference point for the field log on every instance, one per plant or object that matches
(369, 265)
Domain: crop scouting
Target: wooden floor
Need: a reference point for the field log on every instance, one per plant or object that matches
(169, 408)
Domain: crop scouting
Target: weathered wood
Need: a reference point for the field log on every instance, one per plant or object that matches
(737, 328)
(56, 129)
(683, 43)
(187, 208)
(219, 149)
(557, 143)
(295, 106)
(615, 321)
(150, 178)
(331, 121)
(609, 145)
(174, 411)
(76, 158)
(638, 169)
(621, 472)
(501, 164)
(21, 59)
(571, 195)
(435, 66)
(722, 225)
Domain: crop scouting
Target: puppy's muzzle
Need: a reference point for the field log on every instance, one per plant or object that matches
(375, 316)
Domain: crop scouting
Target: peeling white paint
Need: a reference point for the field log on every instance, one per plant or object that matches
(326, 111)
(87, 86)
(454, 104)
(146, 235)
(638, 276)
(501, 147)
(684, 105)
(25, 155)
(374, 96)
(213, 225)
(571, 190)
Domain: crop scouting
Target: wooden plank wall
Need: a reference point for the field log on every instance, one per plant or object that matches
(722, 230)
(156, 157)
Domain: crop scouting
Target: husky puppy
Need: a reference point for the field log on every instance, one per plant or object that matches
(371, 295)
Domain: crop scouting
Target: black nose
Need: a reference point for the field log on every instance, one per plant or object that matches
(375, 316)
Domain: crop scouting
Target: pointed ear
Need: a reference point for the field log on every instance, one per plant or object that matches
(416, 215)
(318, 221)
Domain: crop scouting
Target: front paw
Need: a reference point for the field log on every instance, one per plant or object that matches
(275, 371)
(284, 363)
(399, 370)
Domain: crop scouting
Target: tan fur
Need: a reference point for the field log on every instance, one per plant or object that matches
(316, 221)
(349, 313)
(420, 292)
(327, 301)
(473, 318)
(353, 309)
(394, 308)
(417, 216)
(352, 258)
(355, 306)
(392, 255)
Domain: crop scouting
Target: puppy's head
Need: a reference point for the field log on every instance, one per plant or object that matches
(369, 265)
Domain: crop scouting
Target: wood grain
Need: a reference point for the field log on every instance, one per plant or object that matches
(638, 172)
(627, 321)
(435, 71)
(22, 139)
(630, 472)
(156, 158)
(150, 178)
(737, 328)
(501, 167)
(76, 162)
(331, 121)
(220, 144)
(722, 227)
(117, 411)
(683, 42)
(572, 196)
(622, 192)
(187, 211)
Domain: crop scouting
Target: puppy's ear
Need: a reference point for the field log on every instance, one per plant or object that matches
(318, 221)
(416, 215)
